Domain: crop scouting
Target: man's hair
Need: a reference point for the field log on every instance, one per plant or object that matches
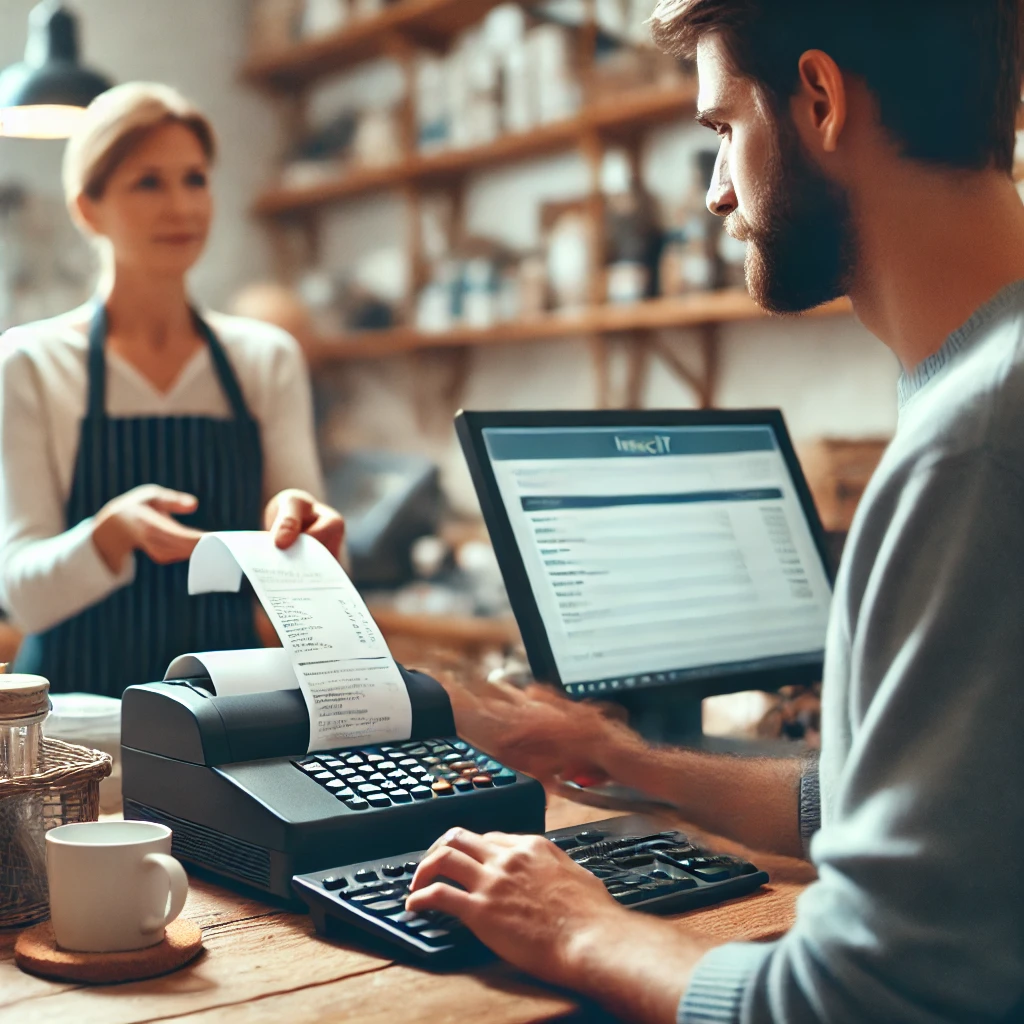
(946, 73)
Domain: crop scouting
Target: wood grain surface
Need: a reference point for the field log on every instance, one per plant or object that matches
(263, 965)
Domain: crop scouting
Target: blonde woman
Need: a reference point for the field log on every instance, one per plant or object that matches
(133, 425)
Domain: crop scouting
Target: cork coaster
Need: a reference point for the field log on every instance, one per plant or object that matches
(36, 952)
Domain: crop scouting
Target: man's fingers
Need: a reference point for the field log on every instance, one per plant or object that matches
(447, 862)
(441, 897)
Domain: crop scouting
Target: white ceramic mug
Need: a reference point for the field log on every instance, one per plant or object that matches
(113, 885)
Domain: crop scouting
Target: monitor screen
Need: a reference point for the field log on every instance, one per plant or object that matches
(658, 555)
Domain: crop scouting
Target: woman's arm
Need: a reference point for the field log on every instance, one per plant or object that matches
(48, 573)
(290, 457)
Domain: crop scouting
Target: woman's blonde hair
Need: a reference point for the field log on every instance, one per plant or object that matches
(115, 123)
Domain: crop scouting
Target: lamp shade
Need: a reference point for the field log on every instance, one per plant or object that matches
(43, 96)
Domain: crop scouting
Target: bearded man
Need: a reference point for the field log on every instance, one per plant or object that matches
(866, 150)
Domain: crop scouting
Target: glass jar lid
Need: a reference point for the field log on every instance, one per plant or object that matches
(23, 696)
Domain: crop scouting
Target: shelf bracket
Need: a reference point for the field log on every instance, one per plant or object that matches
(703, 382)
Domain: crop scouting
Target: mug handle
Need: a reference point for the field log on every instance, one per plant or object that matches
(177, 891)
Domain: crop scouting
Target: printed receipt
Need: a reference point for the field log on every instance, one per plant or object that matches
(353, 689)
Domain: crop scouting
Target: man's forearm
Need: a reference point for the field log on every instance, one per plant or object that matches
(755, 801)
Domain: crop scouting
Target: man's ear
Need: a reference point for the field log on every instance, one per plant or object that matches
(820, 104)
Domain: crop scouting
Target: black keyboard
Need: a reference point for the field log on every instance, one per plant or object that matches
(657, 872)
(404, 773)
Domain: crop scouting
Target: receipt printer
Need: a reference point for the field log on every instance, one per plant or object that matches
(232, 779)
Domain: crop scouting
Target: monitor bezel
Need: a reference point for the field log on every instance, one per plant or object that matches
(470, 427)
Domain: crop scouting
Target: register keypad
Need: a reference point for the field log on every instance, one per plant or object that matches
(403, 773)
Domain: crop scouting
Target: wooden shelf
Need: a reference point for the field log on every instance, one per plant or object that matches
(729, 306)
(629, 114)
(428, 23)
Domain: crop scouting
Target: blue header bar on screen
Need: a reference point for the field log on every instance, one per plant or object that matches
(506, 444)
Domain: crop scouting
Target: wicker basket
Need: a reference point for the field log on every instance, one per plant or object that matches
(65, 789)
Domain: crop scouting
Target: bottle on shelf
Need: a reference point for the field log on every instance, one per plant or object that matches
(691, 260)
(632, 239)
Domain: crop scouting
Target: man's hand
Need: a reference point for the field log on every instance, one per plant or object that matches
(141, 520)
(538, 731)
(293, 512)
(521, 895)
(526, 899)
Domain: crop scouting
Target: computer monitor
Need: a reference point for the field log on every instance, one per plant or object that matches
(654, 558)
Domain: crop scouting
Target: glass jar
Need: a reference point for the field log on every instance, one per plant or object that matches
(24, 705)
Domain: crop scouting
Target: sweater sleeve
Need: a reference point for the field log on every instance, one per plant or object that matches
(290, 457)
(48, 573)
(916, 913)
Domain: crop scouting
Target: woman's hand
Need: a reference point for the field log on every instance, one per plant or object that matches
(141, 520)
(293, 512)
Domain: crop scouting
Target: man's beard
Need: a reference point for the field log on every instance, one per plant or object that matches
(802, 252)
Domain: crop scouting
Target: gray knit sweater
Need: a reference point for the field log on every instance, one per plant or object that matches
(918, 913)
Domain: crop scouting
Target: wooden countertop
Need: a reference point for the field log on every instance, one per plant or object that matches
(263, 964)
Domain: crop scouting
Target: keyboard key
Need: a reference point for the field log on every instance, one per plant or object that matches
(492, 766)
(335, 764)
(464, 766)
(712, 874)
(443, 788)
(357, 804)
(336, 784)
(367, 788)
(354, 759)
(309, 766)
(418, 770)
(346, 773)
(387, 787)
(409, 918)
(505, 777)
(565, 842)
(420, 793)
(355, 780)
(398, 773)
(418, 752)
(483, 781)
(392, 870)
(366, 875)
(630, 896)
(380, 800)
(449, 758)
(463, 786)
(411, 866)
(592, 835)
(344, 794)
(400, 796)
(332, 883)
(460, 745)
(386, 766)
(324, 776)
(375, 758)
(436, 936)
(384, 906)
(377, 777)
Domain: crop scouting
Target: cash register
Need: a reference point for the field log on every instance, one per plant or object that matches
(232, 779)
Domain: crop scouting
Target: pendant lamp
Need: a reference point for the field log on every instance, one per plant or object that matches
(44, 95)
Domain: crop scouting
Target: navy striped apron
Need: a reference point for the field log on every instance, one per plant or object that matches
(131, 636)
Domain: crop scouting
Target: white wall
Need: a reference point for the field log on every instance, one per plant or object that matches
(196, 45)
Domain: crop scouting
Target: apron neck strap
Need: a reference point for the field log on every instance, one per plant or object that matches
(97, 399)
